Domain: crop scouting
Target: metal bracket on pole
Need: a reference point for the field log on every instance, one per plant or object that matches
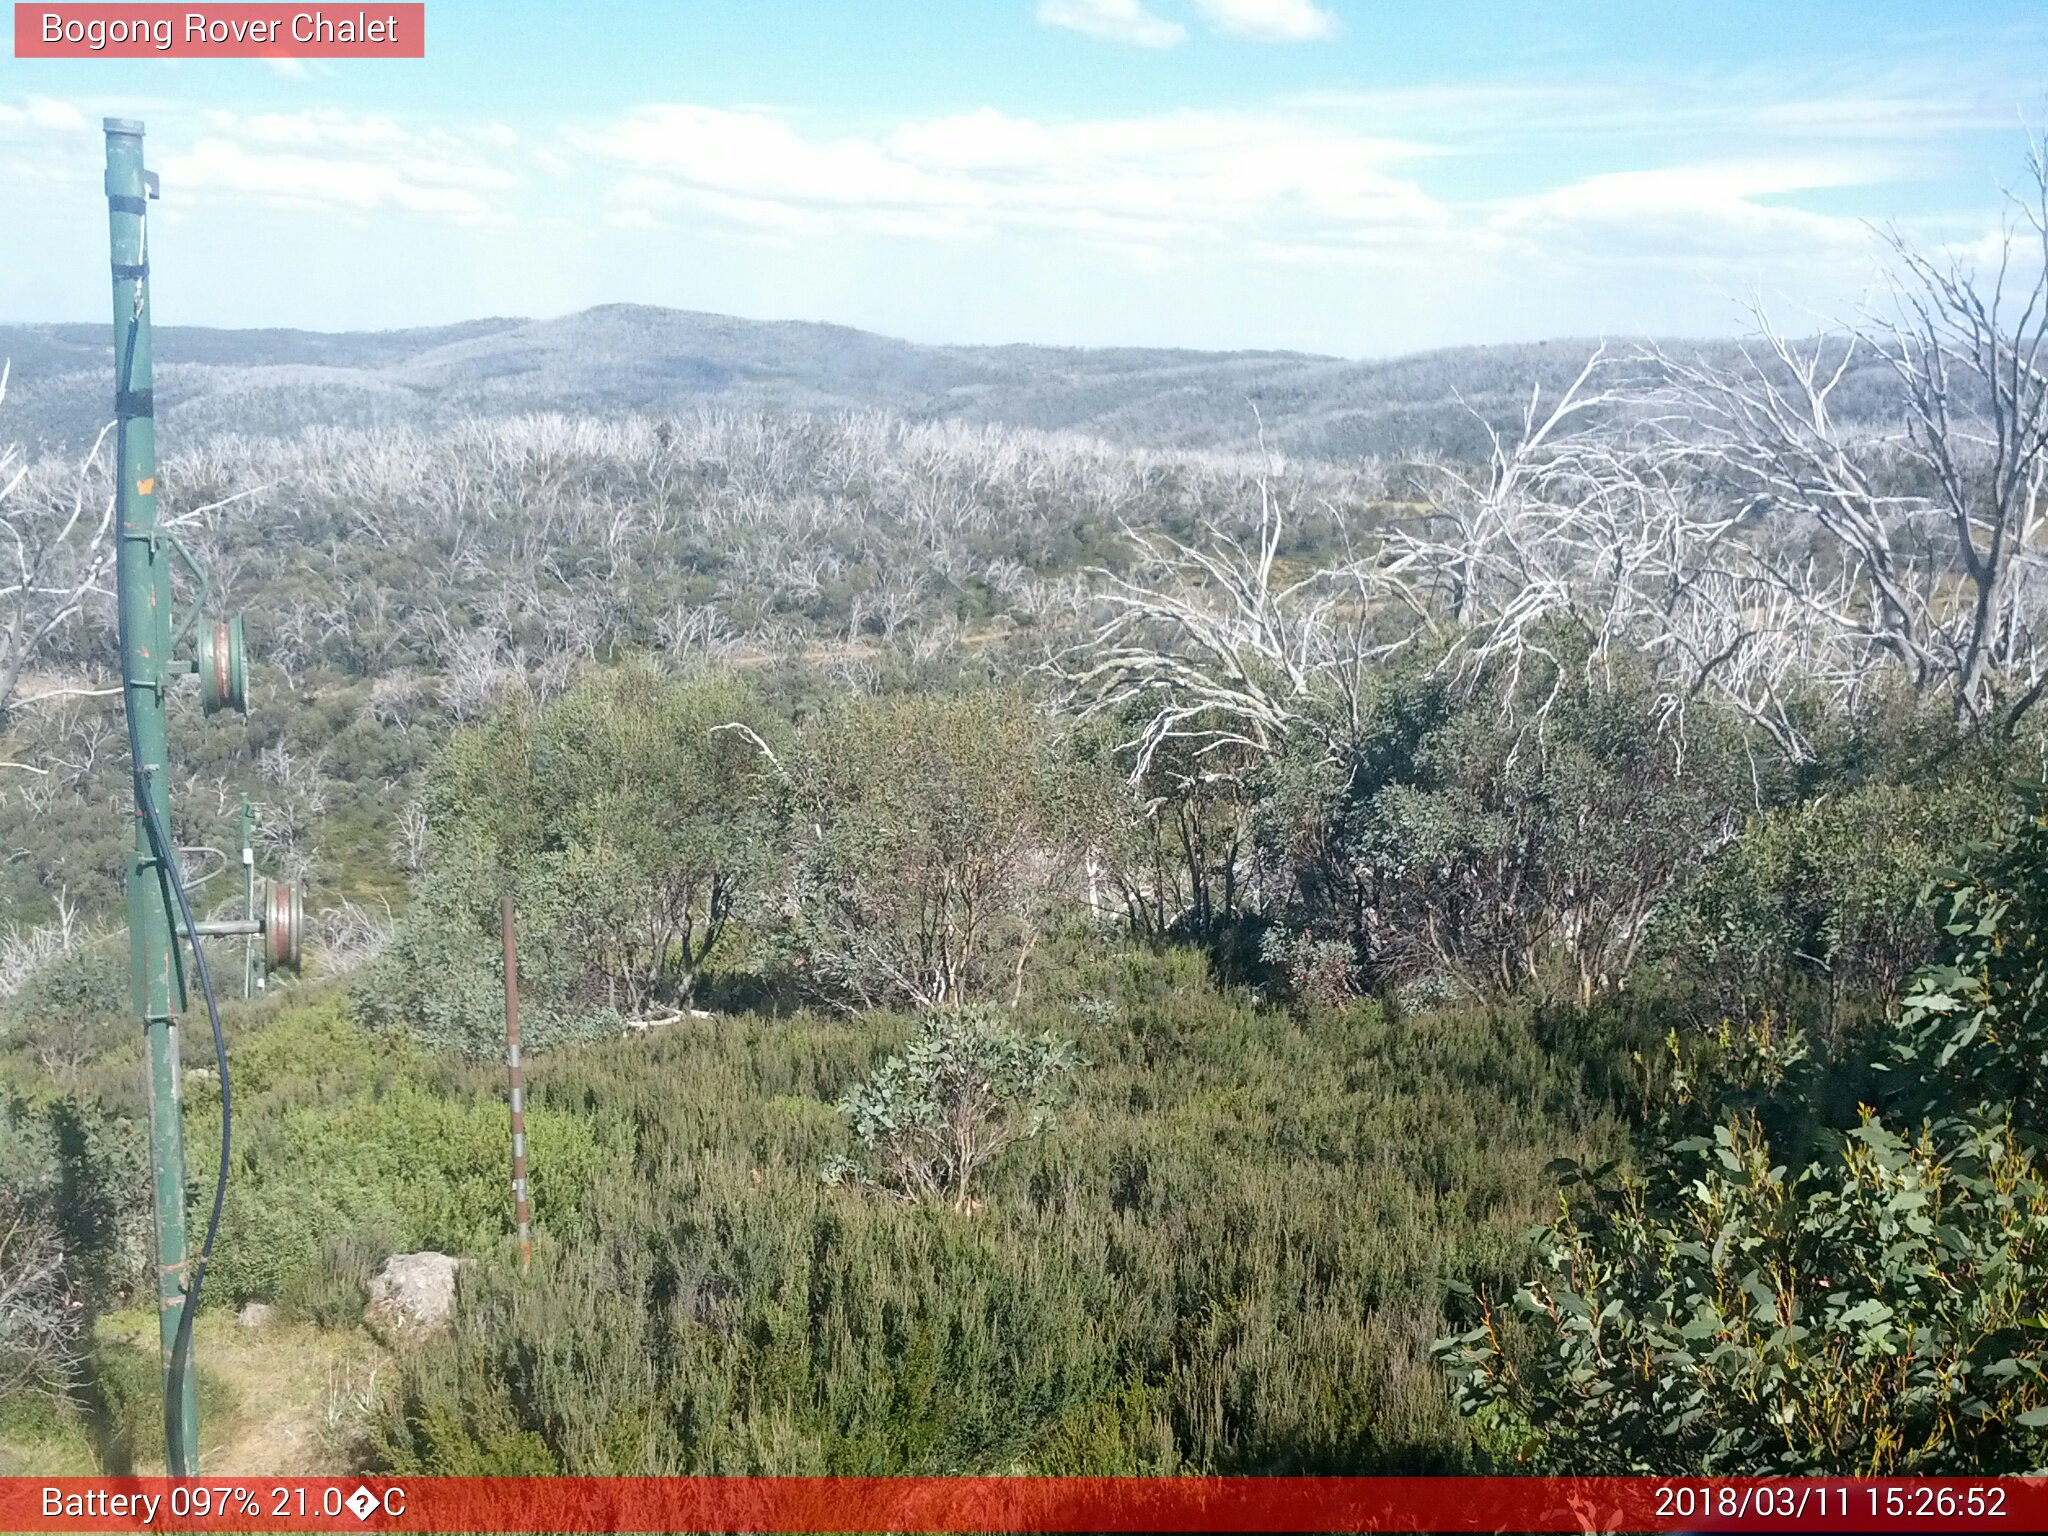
(279, 921)
(205, 588)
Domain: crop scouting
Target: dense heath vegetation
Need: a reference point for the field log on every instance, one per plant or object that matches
(1043, 955)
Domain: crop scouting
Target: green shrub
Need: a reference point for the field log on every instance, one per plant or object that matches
(39, 1312)
(1771, 1296)
(1973, 1038)
(1230, 1259)
(1525, 831)
(629, 827)
(350, 1147)
(330, 1284)
(934, 842)
(1826, 894)
(969, 1085)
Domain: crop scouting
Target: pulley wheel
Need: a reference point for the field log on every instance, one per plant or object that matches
(223, 668)
(283, 921)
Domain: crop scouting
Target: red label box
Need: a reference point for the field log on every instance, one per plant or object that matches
(400, 1507)
(367, 29)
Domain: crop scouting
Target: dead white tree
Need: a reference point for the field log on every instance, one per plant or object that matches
(1591, 532)
(1968, 355)
(293, 806)
(25, 951)
(1588, 532)
(352, 935)
(1224, 648)
(695, 636)
(1915, 549)
(1575, 538)
(1478, 527)
(409, 839)
(479, 667)
(55, 557)
(398, 696)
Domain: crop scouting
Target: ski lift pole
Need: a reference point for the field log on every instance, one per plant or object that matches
(143, 576)
(159, 905)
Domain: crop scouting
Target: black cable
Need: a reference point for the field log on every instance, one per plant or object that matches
(167, 856)
(167, 861)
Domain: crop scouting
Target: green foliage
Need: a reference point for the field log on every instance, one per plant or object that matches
(933, 842)
(1178, 845)
(350, 1147)
(628, 826)
(1230, 1258)
(1826, 893)
(968, 1086)
(39, 1319)
(127, 1374)
(87, 981)
(1772, 1296)
(71, 1127)
(1975, 1027)
(1316, 973)
(1489, 835)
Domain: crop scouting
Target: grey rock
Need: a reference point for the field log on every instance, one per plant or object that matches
(413, 1294)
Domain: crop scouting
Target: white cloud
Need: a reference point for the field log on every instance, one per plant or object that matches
(1350, 220)
(1718, 220)
(1272, 21)
(1576, 120)
(1177, 178)
(1900, 114)
(1258, 192)
(1702, 188)
(43, 115)
(1130, 21)
(1117, 21)
(222, 166)
(753, 155)
(320, 128)
(322, 158)
(46, 146)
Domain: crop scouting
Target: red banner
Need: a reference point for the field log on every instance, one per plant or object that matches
(1111, 1504)
(359, 31)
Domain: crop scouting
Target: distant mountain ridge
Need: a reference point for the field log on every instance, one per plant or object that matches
(623, 357)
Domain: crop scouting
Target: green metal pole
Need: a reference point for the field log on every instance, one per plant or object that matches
(157, 979)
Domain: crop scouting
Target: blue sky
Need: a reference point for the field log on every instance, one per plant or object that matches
(1359, 177)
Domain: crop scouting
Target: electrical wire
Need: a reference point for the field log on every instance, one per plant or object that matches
(167, 861)
(181, 1347)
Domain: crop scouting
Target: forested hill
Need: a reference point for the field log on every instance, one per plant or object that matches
(630, 357)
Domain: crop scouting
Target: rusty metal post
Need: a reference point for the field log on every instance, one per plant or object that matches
(248, 905)
(516, 1080)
